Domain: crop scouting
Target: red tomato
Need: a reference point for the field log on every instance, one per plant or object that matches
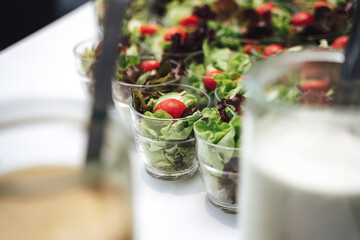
(315, 85)
(174, 30)
(248, 46)
(273, 49)
(302, 19)
(150, 65)
(149, 29)
(340, 42)
(190, 21)
(172, 106)
(240, 79)
(209, 81)
(321, 3)
(98, 48)
(265, 7)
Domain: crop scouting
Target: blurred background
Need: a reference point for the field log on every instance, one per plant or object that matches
(20, 18)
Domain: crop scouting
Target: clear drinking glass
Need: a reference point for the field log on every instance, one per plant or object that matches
(219, 173)
(301, 158)
(168, 154)
(85, 59)
(46, 190)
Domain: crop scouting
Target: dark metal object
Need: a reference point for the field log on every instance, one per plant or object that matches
(348, 91)
(103, 74)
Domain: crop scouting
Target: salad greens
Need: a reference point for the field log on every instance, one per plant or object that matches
(225, 60)
(226, 87)
(218, 136)
(167, 144)
(233, 64)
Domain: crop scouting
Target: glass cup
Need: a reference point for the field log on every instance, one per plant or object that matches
(46, 190)
(300, 153)
(167, 146)
(85, 58)
(121, 91)
(219, 173)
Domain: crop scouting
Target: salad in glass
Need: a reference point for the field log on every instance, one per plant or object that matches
(203, 67)
(136, 73)
(87, 53)
(184, 33)
(163, 118)
(218, 136)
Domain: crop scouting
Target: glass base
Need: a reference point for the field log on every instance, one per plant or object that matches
(223, 207)
(173, 177)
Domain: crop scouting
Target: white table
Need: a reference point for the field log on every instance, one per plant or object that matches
(43, 65)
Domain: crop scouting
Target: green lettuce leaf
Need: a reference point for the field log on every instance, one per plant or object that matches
(212, 130)
(238, 63)
(281, 20)
(226, 87)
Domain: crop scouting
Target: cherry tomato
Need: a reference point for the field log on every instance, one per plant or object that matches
(273, 49)
(174, 30)
(249, 46)
(315, 85)
(150, 65)
(302, 19)
(98, 48)
(190, 21)
(321, 3)
(240, 79)
(209, 81)
(265, 7)
(340, 42)
(172, 106)
(149, 29)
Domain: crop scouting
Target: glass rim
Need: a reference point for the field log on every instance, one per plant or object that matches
(26, 109)
(172, 119)
(197, 136)
(175, 141)
(300, 47)
(182, 54)
(115, 81)
(266, 73)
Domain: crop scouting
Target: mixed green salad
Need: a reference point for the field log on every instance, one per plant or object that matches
(89, 55)
(204, 68)
(165, 125)
(186, 29)
(218, 147)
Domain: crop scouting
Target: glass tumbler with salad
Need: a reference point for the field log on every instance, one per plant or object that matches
(203, 69)
(218, 137)
(136, 73)
(86, 57)
(162, 120)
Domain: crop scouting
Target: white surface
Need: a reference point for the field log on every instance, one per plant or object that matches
(43, 65)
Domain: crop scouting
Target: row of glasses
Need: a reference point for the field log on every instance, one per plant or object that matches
(121, 95)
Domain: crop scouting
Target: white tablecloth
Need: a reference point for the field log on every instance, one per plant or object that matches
(43, 65)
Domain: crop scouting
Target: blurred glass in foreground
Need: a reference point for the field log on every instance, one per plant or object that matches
(46, 190)
(301, 153)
